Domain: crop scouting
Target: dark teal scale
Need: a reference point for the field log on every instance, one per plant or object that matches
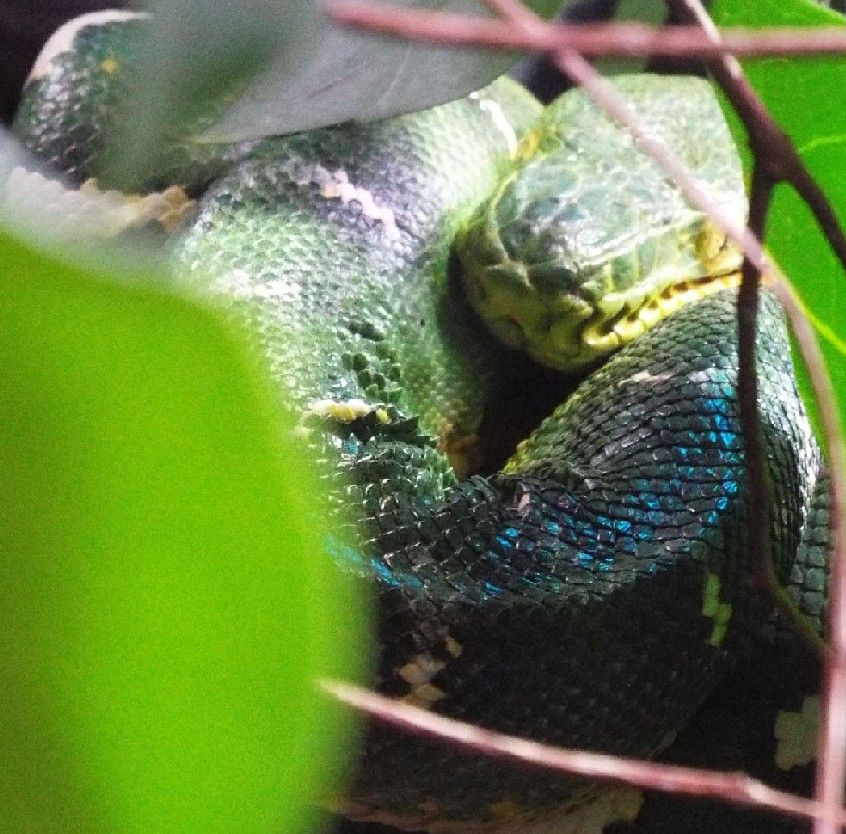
(592, 593)
(595, 569)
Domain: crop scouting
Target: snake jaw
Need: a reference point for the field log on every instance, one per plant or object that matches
(570, 313)
(548, 327)
(573, 330)
(544, 282)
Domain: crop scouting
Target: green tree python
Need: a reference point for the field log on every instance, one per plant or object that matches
(592, 593)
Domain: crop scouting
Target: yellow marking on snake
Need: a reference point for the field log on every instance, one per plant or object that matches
(517, 460)
(109, 65)
(424, 696)
(454, 647)
(719, 612)
(344, 411)
(528, 145)
(418, 673)
(506, 810)
(421, 669)
(462, 450)
(645, 309)
(63, 38)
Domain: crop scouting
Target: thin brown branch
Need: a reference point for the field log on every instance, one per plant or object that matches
(732, 787)
(630, 40)
(776, 159)
(830, 761)
(762, 575)
(833, 730)
(759, 509)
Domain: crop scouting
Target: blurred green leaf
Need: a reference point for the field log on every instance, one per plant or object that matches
(166, 602)
(198, 56)
(805, 95)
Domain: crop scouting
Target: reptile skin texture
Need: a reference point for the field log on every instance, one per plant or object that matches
(593, 593)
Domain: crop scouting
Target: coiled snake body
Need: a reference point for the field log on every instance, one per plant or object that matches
(590, 594)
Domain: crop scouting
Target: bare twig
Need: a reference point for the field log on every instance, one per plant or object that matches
(732, 787)
(830, 760)
(759, 511)
(768, 142)
(776, 159)
(768, 136)
(772, 148)
(628, 40)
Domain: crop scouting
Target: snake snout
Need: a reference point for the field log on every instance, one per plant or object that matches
(548, 324)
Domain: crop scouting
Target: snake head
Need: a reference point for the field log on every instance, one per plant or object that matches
(585, 243)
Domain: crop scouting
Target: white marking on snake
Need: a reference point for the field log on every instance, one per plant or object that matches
(336, 185)
(421, 669)
(238, 283)
(62, 39)
(42, 202)
(453, 646)
(524, 505)
(499, 119)
(796, 733)
(646, 376)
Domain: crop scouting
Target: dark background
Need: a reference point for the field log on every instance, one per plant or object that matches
(24, 27)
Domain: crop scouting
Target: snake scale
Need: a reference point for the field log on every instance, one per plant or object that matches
(592, 593)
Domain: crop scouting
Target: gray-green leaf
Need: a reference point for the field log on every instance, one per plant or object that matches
(350, 74)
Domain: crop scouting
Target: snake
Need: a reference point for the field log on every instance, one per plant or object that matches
(591, 592)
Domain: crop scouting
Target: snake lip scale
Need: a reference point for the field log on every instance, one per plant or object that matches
(591, 594)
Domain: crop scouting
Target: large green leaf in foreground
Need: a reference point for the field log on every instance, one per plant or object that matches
(164, 603)
(806, 97)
